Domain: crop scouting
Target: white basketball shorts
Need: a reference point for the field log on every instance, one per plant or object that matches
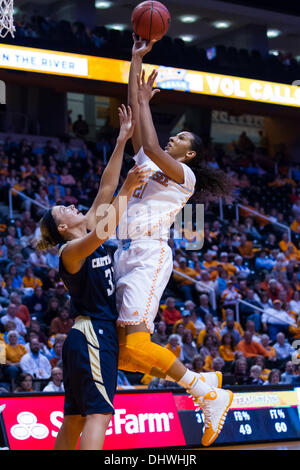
(142, 271)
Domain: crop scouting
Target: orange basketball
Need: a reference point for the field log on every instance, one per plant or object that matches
(150, 20)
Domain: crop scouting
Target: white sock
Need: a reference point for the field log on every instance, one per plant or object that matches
(195, 386)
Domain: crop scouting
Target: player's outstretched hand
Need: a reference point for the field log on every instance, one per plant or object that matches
(126, 122)
(145, 88)
(137, 176)
(141, 47)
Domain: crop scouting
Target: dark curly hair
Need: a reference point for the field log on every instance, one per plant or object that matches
(211, 183)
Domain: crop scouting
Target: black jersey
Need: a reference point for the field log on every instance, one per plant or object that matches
(92, 288)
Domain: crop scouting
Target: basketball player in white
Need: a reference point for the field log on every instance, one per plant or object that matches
(143, 260)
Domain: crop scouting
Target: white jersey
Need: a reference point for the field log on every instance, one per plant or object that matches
(153, 206)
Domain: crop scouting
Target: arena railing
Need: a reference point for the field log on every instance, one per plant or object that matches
(262, 216)
(23, 196)
(236, 302)
(211, 290)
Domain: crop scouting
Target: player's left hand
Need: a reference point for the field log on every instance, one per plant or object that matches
(145, 88)
(126, 122)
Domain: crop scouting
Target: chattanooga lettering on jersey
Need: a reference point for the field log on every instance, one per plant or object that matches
(99, 262)
(140, 423)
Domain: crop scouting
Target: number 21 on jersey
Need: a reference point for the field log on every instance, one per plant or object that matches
(139, 192)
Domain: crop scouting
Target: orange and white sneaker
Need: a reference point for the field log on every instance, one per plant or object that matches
(215, 405)
(214, 379)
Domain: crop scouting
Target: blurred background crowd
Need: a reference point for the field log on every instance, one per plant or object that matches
(233, 305)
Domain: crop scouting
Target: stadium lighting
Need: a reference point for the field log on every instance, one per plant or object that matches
(102, 4)
(273, 33)
(187, 37)
(222, 24)
(188, 18)
(118, 27)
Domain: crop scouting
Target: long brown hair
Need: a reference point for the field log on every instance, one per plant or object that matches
(211, 183)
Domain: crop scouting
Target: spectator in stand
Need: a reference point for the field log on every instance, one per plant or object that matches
(14, 353)
(249, 313)
(295, 225)
(231, 326)
(50, 281)
(160, 335)
(186, 286)
(263, 261)
(255, 375)
(38, 262)
(229, 267)
(266, 343)
(210, 264)
(287, 377)
(218, 364)
(242, 270)
(283, 348)
(196, 319)
(250, 348)
(173, 346)
(52, 258)
(11, 315)
(37, 303)
(211, 328)
(240, 371)
(61, 294)
(205, 307)
(208, 363)
(246, 248)
(230, 295)
(66, 179)
(3, 252)
(80, 127)
(250, 326)
(56, 351)
(62, 323)
(22, 311)
(35, 363)
(24, 383)
(30, 280)
(17, 282)
(189, 349)
(274, 377)
(295, 302)
(188, 324)
(36, 327)
(56, 384)
(170, 314)
(227, 348)
(197, 364)
(275, 319)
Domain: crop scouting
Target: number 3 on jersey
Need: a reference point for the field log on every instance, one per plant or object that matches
(138, 192)
(109, 275)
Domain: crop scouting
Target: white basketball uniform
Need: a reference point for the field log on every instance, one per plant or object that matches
(143, 261)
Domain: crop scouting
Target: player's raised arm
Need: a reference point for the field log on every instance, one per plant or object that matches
(150, 143)
(111, 175)
(139, 50)
(77, 250)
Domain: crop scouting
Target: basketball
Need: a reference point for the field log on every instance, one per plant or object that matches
(150, 20)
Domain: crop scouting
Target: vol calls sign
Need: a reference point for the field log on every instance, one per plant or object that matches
(140, 420)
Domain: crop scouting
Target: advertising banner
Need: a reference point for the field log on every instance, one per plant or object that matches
(169, 78)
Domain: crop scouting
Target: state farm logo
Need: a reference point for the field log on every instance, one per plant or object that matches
(139, 423)
(28, 427)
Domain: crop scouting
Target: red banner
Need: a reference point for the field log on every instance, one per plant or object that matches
(140, 421)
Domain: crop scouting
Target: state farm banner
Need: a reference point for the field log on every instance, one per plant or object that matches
(140, 421)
